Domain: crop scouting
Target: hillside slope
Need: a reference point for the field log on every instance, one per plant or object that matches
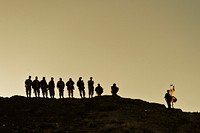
(104, 114)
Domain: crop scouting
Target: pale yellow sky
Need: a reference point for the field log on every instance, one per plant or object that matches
(142, 45)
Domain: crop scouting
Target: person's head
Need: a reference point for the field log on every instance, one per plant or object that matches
(98, 84)
(36, 78)
(168, 91)
(60, 79)
(80, 78)
(70, 79)
(43, 78)
(51, 78)
(114, 84)
(91, 78)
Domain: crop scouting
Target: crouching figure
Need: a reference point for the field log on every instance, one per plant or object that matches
(114, 89)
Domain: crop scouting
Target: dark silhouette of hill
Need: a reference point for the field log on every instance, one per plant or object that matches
(105, 114)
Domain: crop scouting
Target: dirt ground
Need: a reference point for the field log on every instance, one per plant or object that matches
(105, 114)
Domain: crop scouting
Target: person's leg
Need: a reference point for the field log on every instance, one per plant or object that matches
(80, 93)
(92, 92)
(72, 92)
(46, 93)
(35, 92)
(26, 92)
(89, 90)
(62, 94)
(38, 92)
(169, 104)
(52, 94)
(84, 93)
(29, 92)
(69, 93)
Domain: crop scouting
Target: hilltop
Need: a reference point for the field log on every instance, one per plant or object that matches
(105, 114)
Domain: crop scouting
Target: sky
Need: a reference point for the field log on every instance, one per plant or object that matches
(141, 45)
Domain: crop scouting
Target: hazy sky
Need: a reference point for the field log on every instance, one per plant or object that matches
(142, 45)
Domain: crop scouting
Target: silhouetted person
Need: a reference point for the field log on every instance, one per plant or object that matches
(36, 87)
(91, 87)
(168, 99)
(28, 84)
(99, 90)
(51, 88)
(70, 87)
(114, 89)
(61, 86)
(81, 87)
(44, 86)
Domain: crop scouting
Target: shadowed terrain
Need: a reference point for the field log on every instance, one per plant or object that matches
(106, 114)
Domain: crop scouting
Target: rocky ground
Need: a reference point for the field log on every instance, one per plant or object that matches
(106, 114)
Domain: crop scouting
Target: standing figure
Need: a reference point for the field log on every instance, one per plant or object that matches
(51, 88)
(61, 86)
(36, 87)
(114, 89)
(91, 87)
(168, 99)
(99, 90)
(81, 87)
(44, 87)
(28, 84)
(172, 90)
(70, 87)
